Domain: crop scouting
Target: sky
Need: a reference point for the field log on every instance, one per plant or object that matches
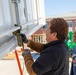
(56, 7)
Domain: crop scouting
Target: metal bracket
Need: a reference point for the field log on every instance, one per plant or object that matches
(19, 38)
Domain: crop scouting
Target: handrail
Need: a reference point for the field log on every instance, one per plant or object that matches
(6, 39)
(30, 31)
(14, 28)
(29, 23)
(7, 47)
(10, 30)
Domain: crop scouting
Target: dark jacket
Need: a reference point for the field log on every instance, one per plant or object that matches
(53, 60)
(73, 66)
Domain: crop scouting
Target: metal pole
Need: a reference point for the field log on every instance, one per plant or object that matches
(37, 11)
(25, 11)
(16, 10)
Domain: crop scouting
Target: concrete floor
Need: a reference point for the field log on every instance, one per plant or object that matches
(10, 67)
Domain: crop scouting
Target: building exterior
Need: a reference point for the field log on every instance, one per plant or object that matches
(39, 36)
(70, 17)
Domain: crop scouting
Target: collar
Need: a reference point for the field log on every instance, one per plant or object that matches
(52, 43)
